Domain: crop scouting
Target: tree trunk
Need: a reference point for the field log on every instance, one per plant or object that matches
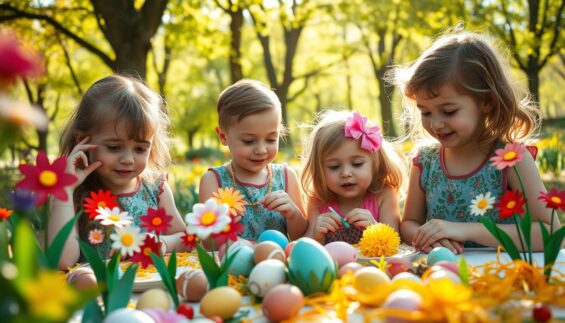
(533, 72)
(385, 93)
(236, 24)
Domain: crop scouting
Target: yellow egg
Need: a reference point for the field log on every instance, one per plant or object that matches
(369, 279)
(154, 298)
(222, 301)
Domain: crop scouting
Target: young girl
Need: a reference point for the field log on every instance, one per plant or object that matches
(460, 92)
(351, 170)
(116, 140)
(250, 124)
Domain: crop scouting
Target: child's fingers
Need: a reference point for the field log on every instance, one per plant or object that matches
(92, 167)
(446, 243)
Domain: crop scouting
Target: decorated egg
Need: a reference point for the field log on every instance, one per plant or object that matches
(439, 254)
(243, 262)
(268, 250)
(349, 267)
(369, 279)
(398, 265)
(407, 276)
(128, 315)
(233, 246)
(437, 274)
(192, 285)
(274, 236)
(448, 265)
(154, 298)
(342, 252)
(288, 248)
(402, 299)
(266, 275)
(82, 278)
(310, 267)
(222, 301)
(286, 294)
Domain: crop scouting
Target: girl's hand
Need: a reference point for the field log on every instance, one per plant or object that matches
(325, 223)
(361, 218)
(78, 156)
(453, 245)
(435, 230)
(280, 201)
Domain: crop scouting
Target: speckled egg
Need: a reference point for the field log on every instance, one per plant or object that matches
(402, 299)
(268, 250)
(129, 315)
(369, 279)
(352, 267)
(222, 301)
(342, 252)
(82, 278)
(310, 267)
(274, 236)
(440, 253)
(192, 285)
(282, 302)
(242, 263)
(154, 298)
(266, 275)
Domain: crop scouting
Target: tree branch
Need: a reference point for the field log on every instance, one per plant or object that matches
(553, 47)
(513, 41)
(69, 65)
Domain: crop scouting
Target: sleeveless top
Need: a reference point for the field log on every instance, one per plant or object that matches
(136, 203)
(353, 234)
(449, 197)
(256, 219)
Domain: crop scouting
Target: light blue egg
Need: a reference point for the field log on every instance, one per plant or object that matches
(439, 254)
(242, 263)
(274, 236)
(310, 267)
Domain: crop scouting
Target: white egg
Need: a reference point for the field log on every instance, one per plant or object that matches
(442, 274)
(407, 276)
(128, 315)
(266, 275)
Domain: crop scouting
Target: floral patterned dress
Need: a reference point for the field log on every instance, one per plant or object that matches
(449, 197)
(256, 218)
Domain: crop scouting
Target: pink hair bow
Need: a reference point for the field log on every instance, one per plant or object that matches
(355, 127)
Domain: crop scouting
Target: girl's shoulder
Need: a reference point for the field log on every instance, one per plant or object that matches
(426, 154)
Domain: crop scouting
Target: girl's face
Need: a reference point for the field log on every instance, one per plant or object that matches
(253, 141)
(348, 171)
(454, 119)
(123, 159)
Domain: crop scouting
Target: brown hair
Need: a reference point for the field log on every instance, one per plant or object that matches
(474, 67)
(326, 136)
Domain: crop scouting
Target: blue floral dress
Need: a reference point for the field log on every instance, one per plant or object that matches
(449, 197)
(256, 218)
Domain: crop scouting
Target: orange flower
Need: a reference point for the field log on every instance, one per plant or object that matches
(232, 198)
(5, 214)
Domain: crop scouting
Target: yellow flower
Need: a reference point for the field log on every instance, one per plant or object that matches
(49, 295)
(232, 198)
(379, 240)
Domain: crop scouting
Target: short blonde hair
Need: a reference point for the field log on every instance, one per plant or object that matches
(389, 169)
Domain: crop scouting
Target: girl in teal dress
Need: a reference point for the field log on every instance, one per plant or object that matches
(250, 125)
(459, 95)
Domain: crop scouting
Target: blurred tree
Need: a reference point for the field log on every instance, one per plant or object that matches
(234, 9)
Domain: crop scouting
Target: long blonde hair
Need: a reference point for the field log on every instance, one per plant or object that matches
(389, 169)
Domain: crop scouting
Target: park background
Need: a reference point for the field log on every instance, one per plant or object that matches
(314, 54)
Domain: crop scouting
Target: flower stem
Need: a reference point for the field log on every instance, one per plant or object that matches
(520, 237)
(527, 211)
(551, 225)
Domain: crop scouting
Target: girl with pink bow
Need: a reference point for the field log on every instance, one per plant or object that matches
(352, 178)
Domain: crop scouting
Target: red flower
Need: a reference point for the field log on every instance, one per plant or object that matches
(554, 199)
(101, 199)
(511, 202)
(230, 232)
(45, 178)
(15, 60)
(189, 240)
(156, 220)
(5, 214)
(143, 256)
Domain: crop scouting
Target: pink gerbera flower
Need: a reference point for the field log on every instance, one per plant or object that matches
(508, 156)
(95, 236)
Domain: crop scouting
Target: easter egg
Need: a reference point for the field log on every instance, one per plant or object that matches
(233, 246)
(128, 315)
(268, 250)
(266, 275)
(342, 252)
(152, 298)
(288, 248)
(243, 262)
(351, 267)
(398, 265)
(274, 236)
(369, 279)
(437, 274)
(286, 294)
(402, 299)
(439, 254)
(222, 301)
(448, 265)
(407, 276)
(310, 267)
(82, 278)
(192, 285)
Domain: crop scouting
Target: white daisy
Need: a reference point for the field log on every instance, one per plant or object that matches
(481, 204)
(113, 216)
(95, 236)
(207, 218)
(127, 239)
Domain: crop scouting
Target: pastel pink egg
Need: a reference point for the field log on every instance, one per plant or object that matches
(448, 265)
(288, 248)
(351, 267)
(286, 294)
(398, 265)
(402, 299)
(342, 252)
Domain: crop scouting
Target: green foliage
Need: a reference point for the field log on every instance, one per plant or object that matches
(204, 153)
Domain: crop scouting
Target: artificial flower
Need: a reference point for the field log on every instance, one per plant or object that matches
(481, 204)
(508, 156)
(156, 220)
(22, 200)
(232, 198)
(95, 236)
(189, 240)
(20, 114)
(113, 216)
(45, 178)
(554, 199)
(207, 218)
(15, 60)
(143, 256)
(230, 232)
(379, 240)
(96, 200)
(5, 213)
(49, 295)
(510, 203)
(127, 239)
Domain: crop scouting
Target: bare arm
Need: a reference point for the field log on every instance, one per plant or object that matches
(414, 207)
(173, 237)
(296, 223)
(389, 208)
(208, 185)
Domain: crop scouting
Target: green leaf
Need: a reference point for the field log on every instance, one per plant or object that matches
(172, 266)
(112, 274)
(463, 270)
(544, 232)
(121, 293)
(526, 226)
(168, 280)
(502, 237)
(25, 251)
(4, 242)
(55, 249)
(92, 313)
(98, 267)
(209, 266)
